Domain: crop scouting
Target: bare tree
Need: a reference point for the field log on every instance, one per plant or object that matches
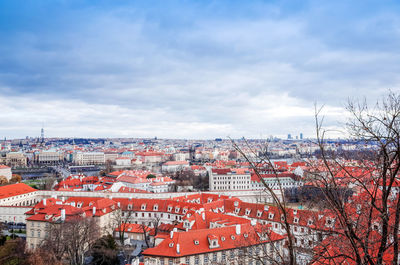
(259, 159)
(120, 220)
(366, 225)
(72, 239)
(150, 238)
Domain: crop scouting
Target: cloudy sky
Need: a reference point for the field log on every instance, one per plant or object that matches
(190, 69)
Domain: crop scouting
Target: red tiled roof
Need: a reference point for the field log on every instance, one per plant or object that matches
(197, 241)
(15, 190)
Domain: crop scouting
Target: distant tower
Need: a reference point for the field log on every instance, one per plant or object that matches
(301, 136)
(42, 135)
(289, 136)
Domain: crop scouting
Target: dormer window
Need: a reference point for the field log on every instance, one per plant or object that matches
(236, 203)
(177, 209)
(296, 220)
(171, 244)
(196, 242)
(295, 211)
(259, 213)
(282, 217)
(248, 211)
(310, 222)
(245, 235)
(155, 207)
(232, 237)
(237, 210)
(209, 200)
(184, 210)
(358, 207)
(169, 208)
(186, 224)
(79, 205)
(270, 216)
(130, 206)
(143, 207)
(222, 238)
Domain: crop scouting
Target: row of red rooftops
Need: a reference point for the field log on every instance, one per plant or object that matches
(56, 210)
(81, 182)
(187, 207)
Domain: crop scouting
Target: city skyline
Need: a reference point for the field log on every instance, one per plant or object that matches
(194, 70)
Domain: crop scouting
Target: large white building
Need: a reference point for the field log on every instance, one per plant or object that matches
(230, 179)
(48, 157)
(89, 158)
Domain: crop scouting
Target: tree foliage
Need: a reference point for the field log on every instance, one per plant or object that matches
(104, 251)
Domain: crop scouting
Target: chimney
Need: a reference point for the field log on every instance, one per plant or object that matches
(119, 205)
(62, 214)
(175, 229)
(44, 202)
(73, 204)
(203, 216)
(178, 250)
(237, 229)
(171, 234)
(253, 222)
(94, 210)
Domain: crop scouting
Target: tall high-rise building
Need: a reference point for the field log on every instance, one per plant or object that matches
(42, 135)
(301, 136)
(289, 136)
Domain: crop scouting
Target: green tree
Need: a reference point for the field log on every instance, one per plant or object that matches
(104, 251)
(151, 176)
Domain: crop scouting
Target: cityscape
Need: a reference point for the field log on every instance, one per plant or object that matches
(199, 132)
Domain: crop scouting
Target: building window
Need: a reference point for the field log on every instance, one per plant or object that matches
(205, 259)
(196, 260)
(214, 256)
(187, 260)
(170, 262)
